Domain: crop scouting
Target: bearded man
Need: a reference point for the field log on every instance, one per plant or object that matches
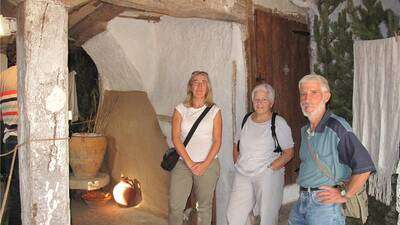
(330, 155)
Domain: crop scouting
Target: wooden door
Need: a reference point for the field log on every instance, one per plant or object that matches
(281, 59)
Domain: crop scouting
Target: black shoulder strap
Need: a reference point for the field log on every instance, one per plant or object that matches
(273, 132)
(196, 124)
(273, 124)
(245, 118)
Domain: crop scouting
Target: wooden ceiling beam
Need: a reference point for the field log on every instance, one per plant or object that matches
(140, 15)
(94, 23)
(81, 13)
(228, 10)
(72, 5)
(14, 2)
(89, 17)
(81, 37)
(8, 9)
(69, 4)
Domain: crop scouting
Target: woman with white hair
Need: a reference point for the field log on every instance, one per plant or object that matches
(198, 165)
(259, 175)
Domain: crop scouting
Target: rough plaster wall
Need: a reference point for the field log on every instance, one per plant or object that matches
(139, 45)
(186, 45)
(116, 72)
(284, 6)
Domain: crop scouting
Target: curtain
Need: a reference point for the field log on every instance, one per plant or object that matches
(376, 108)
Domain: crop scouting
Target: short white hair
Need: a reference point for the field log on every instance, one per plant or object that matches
(266, 88)
(316, 77)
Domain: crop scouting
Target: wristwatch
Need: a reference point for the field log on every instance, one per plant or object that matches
(343, 191)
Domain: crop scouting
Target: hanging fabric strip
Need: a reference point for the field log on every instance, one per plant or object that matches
(73, 99)
(376, 108)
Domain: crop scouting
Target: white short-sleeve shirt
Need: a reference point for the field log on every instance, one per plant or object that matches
(200, 144)
(257, 145)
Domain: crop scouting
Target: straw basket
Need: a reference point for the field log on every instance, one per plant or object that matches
(86, 153)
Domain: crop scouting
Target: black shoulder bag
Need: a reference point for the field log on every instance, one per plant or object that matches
(171, 156)
(278, 148)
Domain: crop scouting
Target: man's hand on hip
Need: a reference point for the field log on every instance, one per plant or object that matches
(330, 195)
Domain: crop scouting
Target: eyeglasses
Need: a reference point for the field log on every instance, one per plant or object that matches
(262, 100)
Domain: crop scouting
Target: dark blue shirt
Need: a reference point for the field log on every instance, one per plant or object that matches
(338, 150)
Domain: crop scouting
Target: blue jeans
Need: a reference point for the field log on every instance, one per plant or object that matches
(309, 211)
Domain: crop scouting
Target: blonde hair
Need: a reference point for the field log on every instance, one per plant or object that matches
(189, 95)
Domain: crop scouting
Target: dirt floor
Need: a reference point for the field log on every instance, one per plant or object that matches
(112, 214)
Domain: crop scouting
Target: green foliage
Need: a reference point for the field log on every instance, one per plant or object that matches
(367, 18)
(87, 88)
(334, 41)
(392, 22)
(335, 55)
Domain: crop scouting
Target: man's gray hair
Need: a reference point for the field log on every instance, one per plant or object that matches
(266, 88)
(316, 77)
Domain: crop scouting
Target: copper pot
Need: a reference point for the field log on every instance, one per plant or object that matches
(127, 192)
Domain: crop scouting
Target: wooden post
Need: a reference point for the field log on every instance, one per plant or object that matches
(250, 48)
(42, 50)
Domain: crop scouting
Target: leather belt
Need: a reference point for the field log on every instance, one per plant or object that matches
(309, 189)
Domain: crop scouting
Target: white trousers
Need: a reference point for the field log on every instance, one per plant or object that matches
(261, 194)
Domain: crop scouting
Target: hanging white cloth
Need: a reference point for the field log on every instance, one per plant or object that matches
(376, 109)
(73, 99)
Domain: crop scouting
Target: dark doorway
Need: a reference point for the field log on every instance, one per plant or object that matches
(282, 58)
(87, 88)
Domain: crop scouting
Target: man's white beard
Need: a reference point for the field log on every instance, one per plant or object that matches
(319, 109)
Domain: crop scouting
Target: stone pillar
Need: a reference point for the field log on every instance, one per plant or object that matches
(42, 50)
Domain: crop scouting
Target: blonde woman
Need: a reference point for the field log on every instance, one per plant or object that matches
(198, 164)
